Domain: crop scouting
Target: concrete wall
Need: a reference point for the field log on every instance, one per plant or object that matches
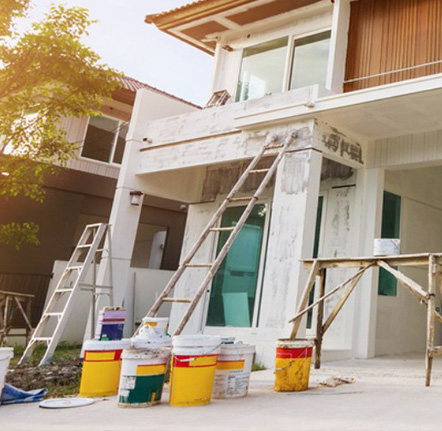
(144, 286)
(401, 320)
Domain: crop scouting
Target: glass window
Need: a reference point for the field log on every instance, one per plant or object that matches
(105, 140)
(233, 293)
(262, 69)
(391, 220)
(310, 60)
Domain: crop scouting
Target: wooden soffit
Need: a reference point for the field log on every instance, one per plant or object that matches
(199, 22)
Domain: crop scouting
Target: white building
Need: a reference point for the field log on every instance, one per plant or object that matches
(360, 81)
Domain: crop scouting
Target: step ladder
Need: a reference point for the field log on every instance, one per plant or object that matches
(56, 314)
(212, 267)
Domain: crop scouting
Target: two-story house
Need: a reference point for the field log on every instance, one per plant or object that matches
(82, 193)
(360, 82)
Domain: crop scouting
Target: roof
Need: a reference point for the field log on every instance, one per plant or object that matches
(130, 86)
(199, 22)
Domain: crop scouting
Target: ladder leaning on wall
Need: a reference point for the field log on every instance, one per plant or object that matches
(58, 309)
(187, 263)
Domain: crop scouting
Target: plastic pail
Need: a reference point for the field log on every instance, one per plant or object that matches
(142, 376)
(293, 359)
(101, 367)
(155, 326)
(233, 370)
(193, 369)
(6, 353)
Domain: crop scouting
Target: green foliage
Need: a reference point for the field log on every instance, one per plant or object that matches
(15, 234)
(257, 366)
(46, 75)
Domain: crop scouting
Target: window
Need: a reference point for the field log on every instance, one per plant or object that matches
(234, 287)
(391, 218)
(264, 66)
(310, 60)
(262, 69)
(105, 140)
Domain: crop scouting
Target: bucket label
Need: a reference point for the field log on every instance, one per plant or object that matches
(231, 383)
(151, 370)
(128, 382)
(153, 324)
(230, 365)
(102, 356)
(194, 361)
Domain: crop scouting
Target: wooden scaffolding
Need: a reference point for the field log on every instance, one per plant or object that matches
(427, 297)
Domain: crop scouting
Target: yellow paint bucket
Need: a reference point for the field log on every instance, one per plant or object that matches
(292, 371)
(193, 369)
(101, 367)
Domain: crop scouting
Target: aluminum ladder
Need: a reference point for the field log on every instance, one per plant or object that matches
(270, 144)
(56, 314)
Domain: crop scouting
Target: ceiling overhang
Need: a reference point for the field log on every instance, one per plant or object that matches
(200, 22)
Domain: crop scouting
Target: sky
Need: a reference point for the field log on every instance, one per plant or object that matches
(141, 51)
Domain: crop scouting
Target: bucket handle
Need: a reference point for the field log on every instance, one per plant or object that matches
(207, 353)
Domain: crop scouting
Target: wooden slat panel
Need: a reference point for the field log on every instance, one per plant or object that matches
(389, 35)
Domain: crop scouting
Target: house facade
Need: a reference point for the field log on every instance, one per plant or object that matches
(82, 193)
(360, 83)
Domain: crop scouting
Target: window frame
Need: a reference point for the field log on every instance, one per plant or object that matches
(259, 281)
(114, 142)
(292, 38)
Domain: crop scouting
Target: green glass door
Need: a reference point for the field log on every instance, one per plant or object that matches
(233, 292)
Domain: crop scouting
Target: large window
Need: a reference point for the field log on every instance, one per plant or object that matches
(105, 140)
(265, 68)
(234, 288)
(262, 69)
(391, 223)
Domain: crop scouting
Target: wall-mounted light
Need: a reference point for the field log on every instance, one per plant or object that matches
(136, 197)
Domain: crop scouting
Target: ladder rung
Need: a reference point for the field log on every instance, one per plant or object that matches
(259, 171)
(63, 290)
(73, 268)
(222, 229)
(274, 147)
(188, 301)
(53, 314)
(84, 246)
(42, 339)
(245, 198)
(199, 265)
(96, 286)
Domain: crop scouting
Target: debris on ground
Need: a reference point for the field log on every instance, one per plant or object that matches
(13, 395)
(334, 381)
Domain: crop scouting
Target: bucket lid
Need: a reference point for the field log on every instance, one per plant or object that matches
(156, 319)
(106, 345)
(292, 344)
(196, 340)
(150, 343)
(237, 348)
(6, 353)
(66, 403)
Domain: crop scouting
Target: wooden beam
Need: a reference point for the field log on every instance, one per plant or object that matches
(344, 298)
(319, 319)
(413, 287)
(430, 318)
(304, 300)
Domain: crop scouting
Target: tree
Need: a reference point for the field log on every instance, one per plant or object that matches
(46, 74)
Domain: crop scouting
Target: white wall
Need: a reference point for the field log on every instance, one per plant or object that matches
(144, 286)
(401, 320)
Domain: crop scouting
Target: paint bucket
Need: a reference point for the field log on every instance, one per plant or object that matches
(193, 369)
(101, 367)
(228, 340)
(142, 376)
(233, 370)
(386, 246)
(154, 327)
(293, 359)
(110, 324)
(6, 353)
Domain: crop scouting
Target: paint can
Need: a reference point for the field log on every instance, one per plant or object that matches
(228, 340)
(110, 324)
(6, 353)
(233, 368)
(101, 367)
(292, 371)
(193, 369)
(154, 327)
(142, 376)
(386, 247)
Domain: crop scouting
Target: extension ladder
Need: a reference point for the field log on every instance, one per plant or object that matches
(56, 314)
(270, 144)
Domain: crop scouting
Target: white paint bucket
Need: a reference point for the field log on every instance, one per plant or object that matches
(194, 360)
(142, 376)
(154, 327)
(228, 340)
(6, 353)
(386, 246)
(233, 370)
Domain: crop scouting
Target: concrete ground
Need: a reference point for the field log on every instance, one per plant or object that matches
(389, 394)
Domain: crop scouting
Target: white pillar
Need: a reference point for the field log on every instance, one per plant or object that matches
(291, 238)
(338, 45)
(371, 187)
